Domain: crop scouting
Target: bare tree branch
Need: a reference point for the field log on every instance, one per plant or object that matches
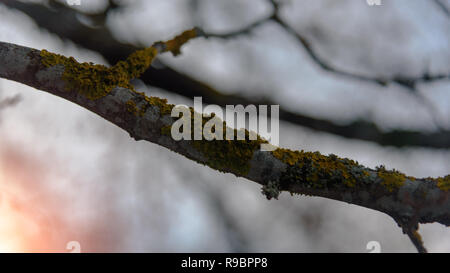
(243, 31)
(416, 239)
(408, 200)
(10, 101)
(409, 82)
(443, 7)
(63, 22)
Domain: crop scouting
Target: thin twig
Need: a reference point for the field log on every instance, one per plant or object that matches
(416, 239)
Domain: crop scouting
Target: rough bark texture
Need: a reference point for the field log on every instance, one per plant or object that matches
(63, 21)
(408, 200)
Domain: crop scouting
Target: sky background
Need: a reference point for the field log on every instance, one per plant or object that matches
(68, 175)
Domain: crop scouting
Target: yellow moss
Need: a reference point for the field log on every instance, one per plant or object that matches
(391, 179)
(320, 167)
(96, 81)
(227, 155)
(416, 234)
(443, 183)
(288, 156)
(92, 80)
(133, 108)
(411, 178)
(136, 63)
(175, 44)
(164, 107)
(222, 155)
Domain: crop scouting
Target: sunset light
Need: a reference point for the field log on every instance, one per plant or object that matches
(9, 225)
(20, 230)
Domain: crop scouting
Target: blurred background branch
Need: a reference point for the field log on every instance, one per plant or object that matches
(65, 22)
(443, 6)
(8, 101)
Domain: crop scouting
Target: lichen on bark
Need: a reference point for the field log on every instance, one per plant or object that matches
(392, 180)
(95, 81)
(314, 170)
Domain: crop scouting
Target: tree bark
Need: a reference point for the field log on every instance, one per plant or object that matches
(63, 21)
(408, 200)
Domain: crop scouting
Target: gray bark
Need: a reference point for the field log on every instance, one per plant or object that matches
(416, 201)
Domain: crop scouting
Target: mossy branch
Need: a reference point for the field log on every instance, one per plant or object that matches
(95, 81)
(408, 200)
(101, 40)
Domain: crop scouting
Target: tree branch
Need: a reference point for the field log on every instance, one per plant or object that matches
(236, 33)
(63, 22)
(443, 7)
(416, 239)
(409, 82)
(408, 200)
(10, 101)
